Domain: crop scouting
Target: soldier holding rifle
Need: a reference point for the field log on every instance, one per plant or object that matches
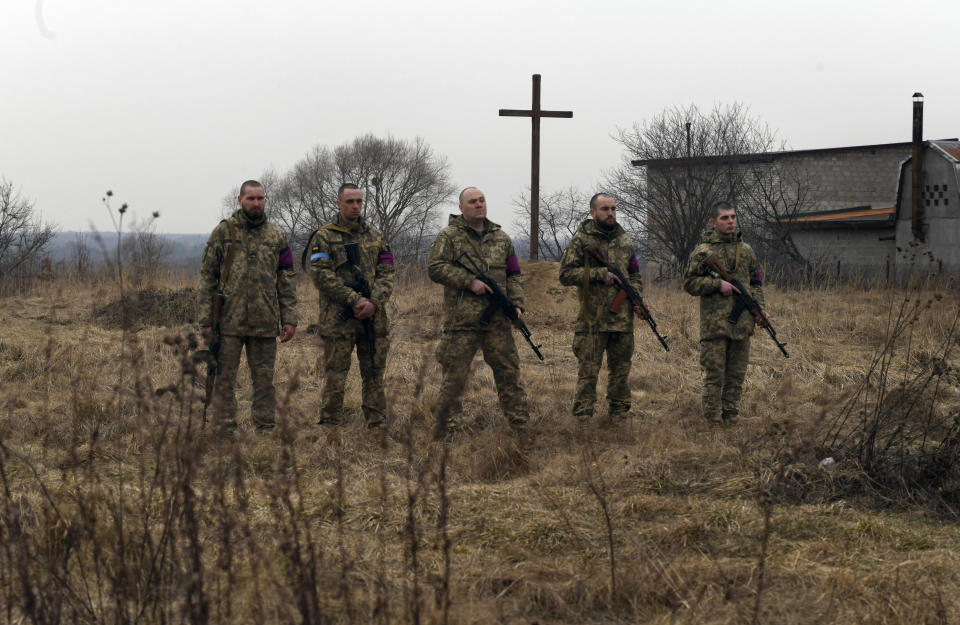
(726, 325)
(600, 250)
(467, 255)
(352, 267)
(248, 296)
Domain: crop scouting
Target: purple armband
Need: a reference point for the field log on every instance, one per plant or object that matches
(755, 278)
(513, 265)
(386, 258)
(633, 266)
(286, 259)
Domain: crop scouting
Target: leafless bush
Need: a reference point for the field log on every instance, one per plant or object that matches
(894, 427)
(144, 252)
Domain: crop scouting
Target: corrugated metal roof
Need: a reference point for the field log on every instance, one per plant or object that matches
(848, 214)
(951, 147)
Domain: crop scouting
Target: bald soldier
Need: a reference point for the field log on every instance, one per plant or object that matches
(247, 258)
(465, 299)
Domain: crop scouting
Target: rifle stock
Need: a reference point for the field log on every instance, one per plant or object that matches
(212, 353)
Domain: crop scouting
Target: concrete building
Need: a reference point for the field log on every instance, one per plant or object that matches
(863, 220)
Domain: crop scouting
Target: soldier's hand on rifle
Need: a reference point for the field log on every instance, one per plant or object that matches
(611, 279)
(364, 308)
(206, 330)
(762, 319)
(287, 332)
(727, 289)
(639, 312)
(479, 287)
(519, 314)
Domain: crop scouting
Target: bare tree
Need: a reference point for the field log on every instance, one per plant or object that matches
(774, 195)
(561, 213)
(404, 182)
(23, 236)
(677, 165)
(81, 257)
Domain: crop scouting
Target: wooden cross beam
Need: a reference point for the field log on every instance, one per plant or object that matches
(535, 113)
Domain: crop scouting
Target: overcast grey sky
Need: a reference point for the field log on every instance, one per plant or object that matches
(171, 103)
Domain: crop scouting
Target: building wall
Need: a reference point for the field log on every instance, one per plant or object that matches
(848, 252)
(940, 250)
(854, 178)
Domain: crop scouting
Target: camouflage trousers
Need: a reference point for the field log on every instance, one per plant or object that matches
(724, 363)
(589, 347)
(261, 357)
(336, 358)
(455, 353)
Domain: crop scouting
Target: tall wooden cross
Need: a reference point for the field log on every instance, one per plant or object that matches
(535, 114)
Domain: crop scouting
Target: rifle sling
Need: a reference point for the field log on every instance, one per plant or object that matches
(229, 262)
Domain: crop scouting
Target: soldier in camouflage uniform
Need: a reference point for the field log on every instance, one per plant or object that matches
(333, 278)
(465, 299)
(724, 347)
(260, 299)
(598, 329)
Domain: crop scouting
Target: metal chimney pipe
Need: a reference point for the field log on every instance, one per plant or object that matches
(917, 167)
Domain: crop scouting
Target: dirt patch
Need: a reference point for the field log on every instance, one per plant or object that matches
(162, 308)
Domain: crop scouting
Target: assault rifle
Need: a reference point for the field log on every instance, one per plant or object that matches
(361, 286)
(627, 292)
(743, 301)
(498, 301)
(211, 355)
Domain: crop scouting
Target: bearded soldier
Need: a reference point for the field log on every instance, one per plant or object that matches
(348, 317)
(599, 329)
(248, 260)
(724, 346)
(465, 301)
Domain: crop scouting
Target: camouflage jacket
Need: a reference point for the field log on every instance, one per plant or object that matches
(492, 251)
(260, 293)
(335, 280)
(741, 261)
(578, 268)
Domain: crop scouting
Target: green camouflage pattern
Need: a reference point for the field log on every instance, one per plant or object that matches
(259, 296)
(741, 261)
(579, 269)
(331, 274)
(724, 363)
(455, 353)
(490, 251)
(261, 357)
(589, 348)
(337, 350)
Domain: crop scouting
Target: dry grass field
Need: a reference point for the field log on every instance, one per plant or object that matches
(117, 505)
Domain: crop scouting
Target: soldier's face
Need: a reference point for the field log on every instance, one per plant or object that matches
(474, 205)
(351, 204)
(251, 201)
(725, 222)
(605, 210)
